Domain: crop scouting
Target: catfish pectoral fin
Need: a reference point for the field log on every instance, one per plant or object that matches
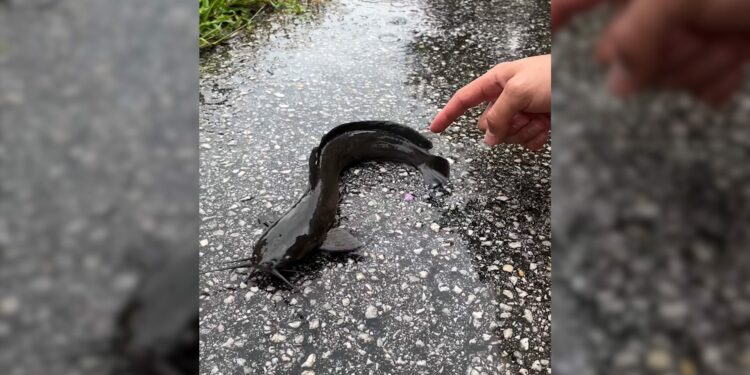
(339, 240)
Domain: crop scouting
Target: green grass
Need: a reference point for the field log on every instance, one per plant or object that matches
(223, 19)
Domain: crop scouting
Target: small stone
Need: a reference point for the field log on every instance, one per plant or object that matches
(508, 293)
(418, 251)
(658, 359)
(310, 361)
(371, 312)
(507, 268)
(299, 339)
(346, 301)
(524, 344)
(457, 289)
(492, 268)
(364, 337)
(314, 324)
(229, 300)
(435, 227)
(360, 276)
(295, 324)
(240, 361)
(536, 366)
(9, 306)
(532, 266)
(308, 372)
(423, 274)
(477, 314)
(508, 333)
(204, 243)
(278, 338)
(521, 273)
(527, 315)
(514, 245)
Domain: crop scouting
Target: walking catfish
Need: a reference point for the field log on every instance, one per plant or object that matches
(307, 226)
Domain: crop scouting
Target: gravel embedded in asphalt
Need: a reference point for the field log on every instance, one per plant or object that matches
(427, 292)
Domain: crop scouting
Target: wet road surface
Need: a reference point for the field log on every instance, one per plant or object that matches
(454, 280)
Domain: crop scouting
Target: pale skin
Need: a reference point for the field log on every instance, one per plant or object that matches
(697, 46)
(518, 95)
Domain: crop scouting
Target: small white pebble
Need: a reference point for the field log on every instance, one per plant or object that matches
(508, 333)
(310, 361)
(278, 338)
(295, 324)
(514, 245)
(524, 344)
(507, 268)
(435, 227)
(423, 274)
(371, 312)
(527, 315)
(229, 300)
(315, 323)
(346, 301)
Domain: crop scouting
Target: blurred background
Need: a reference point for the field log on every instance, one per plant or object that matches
(650, 217)
(98, 184)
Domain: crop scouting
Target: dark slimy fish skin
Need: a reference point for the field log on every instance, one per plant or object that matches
(307, 226)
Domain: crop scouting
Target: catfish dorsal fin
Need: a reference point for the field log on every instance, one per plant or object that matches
(402, 130)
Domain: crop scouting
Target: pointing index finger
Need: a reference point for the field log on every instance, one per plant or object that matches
(480, 90)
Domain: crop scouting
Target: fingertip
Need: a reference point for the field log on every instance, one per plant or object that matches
(620, 81)
(490, 139)
(437, 126)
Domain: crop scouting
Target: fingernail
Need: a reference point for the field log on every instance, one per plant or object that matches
(620, 81)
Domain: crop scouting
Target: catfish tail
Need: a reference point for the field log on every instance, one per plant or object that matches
(435, 171)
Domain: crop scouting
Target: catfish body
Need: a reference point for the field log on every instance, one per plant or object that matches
(306, 227)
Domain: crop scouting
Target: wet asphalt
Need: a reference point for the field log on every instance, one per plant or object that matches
(454, 280)
(98, 158)
(650, 217)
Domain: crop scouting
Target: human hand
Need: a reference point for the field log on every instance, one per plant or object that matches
(519, 95)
